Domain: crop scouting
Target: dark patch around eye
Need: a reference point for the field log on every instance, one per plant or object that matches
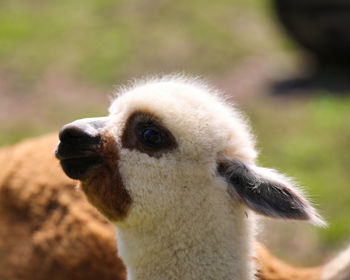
(145, 133)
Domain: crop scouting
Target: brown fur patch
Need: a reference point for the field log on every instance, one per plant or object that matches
(130, 140)
(105, 189)
(271, 268)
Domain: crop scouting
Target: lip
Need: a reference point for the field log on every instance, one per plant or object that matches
(80, 168)
(78, 163)
(62, 154)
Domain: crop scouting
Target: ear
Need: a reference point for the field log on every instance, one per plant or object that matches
(266, 192)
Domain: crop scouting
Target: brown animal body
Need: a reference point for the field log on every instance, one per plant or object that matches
(271, 268)
(47, 228)
(49, 231)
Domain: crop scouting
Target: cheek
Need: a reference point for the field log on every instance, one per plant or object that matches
(157, 185)
(152, 183)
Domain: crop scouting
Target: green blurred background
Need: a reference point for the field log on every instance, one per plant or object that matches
(60, 60)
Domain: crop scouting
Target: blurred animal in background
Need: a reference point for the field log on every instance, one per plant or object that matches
(174, 169)
(320, 27)
(47, 228)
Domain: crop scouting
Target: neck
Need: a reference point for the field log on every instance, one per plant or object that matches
(211, 243)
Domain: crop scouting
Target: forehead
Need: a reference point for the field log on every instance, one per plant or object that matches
(193, 112)
(170, 101)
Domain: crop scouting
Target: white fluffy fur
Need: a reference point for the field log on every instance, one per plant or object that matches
(182, 223)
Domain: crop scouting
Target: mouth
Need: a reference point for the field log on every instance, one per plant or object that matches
(78, 164)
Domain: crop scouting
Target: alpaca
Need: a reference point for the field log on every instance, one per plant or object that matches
(174, 169)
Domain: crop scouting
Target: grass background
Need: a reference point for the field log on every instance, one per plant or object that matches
(59, 61)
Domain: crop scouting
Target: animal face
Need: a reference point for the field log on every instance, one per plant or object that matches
(169, 146)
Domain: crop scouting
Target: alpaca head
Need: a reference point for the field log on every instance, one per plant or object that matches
(167, 146)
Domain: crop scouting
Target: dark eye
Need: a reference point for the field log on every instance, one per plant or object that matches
(151, 137)
(147, 135)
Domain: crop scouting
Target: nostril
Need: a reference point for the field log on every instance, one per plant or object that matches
(71, 133)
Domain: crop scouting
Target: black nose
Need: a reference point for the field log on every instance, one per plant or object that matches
(75, 134)
(83, 132)
(77, 141)
(80, 138)
(79, 147)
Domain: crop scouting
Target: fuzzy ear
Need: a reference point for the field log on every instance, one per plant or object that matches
(266, 192)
